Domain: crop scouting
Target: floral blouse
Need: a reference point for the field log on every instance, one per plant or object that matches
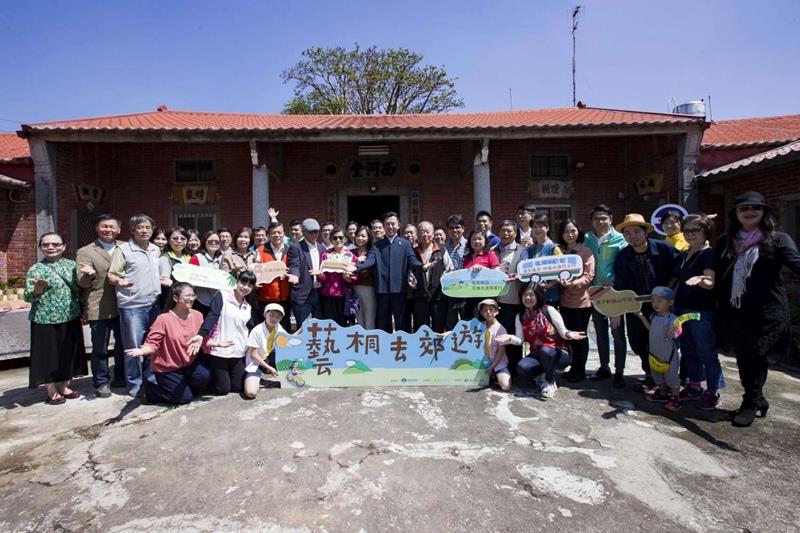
(58, 302)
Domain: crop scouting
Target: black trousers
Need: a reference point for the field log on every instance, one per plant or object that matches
(430, 313)
(390, 306)
(227, 374)
(333, 309)
(507, 318)
(639, 336)
(753, 373)
(577, 319)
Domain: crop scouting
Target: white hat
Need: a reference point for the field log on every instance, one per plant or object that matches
(274, 307)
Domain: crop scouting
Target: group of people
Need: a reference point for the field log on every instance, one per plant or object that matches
(173, 340)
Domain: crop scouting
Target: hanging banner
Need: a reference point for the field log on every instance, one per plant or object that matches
(550, 268)
(613, 303)
(267, 272)
(211, 278)
(324, 354)
(469, 283)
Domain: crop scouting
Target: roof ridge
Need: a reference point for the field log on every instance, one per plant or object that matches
(752, 119)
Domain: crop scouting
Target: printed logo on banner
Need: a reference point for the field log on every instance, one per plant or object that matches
(469, 283)
(550, 268)
(655, 218)
(324, 354)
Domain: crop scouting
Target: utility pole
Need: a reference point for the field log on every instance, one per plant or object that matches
(574, 30)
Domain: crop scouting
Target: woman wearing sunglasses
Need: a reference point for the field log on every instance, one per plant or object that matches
(752, 296)
(51, 287)
(335, 285)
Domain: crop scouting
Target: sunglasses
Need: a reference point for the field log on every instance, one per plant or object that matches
(746, 208)
(338, 238)
(212, 242)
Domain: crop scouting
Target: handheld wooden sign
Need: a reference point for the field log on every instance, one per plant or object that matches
(211, 278)
(613, 303)
(267, 272)
(469, 283)
(550, 268)
(339, 263)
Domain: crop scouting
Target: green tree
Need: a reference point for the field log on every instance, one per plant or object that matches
(333, 81)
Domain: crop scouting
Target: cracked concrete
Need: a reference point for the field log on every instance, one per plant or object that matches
(428, 459)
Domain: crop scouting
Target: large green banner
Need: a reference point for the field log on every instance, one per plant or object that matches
(324, 354)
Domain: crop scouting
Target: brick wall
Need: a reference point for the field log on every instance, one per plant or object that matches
(611, 166)
(17, 224)
(139, 177)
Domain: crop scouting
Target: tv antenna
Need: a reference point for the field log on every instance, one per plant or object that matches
(574, 31)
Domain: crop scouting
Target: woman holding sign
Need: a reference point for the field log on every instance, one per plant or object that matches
(478, 256)
(209, 256)
(575, 305)
(336, 285)
(752, 296)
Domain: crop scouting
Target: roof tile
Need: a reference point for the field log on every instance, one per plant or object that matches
(194, 120)
(752, 131)
(13, 147)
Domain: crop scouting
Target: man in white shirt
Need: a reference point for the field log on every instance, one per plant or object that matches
(304, 262)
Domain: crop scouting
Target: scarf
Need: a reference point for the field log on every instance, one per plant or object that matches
(746, 246)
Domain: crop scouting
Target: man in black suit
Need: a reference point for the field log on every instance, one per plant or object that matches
(392, 256)
(303, 260)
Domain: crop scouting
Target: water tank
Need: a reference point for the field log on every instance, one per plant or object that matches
(695, 108)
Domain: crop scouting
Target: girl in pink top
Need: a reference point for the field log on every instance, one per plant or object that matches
(173, 344)
(478, 256)
(335, 285)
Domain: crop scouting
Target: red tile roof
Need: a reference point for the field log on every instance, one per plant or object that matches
(752, 132)
(168, 120)
(13, 147)
(776, 154)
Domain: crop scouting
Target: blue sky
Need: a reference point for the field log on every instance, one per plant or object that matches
(68, 59)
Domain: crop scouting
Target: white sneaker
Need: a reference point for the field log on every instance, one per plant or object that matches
(549, 390)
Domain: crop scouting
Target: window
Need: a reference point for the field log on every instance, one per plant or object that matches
(790, 216)
(557, 214)
(549, 166)
(194, 170)
(201, 219)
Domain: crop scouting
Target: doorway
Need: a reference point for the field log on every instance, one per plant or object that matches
(365, 209)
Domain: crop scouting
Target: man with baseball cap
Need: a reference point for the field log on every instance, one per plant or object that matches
(641, 266)
(304, 269)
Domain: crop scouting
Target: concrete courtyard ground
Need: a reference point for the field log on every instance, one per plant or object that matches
(419, 459)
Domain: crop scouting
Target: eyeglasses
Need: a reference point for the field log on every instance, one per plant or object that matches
(338, 238)
(51, 244)
(692, 231)
(746, 208)
(212, 242)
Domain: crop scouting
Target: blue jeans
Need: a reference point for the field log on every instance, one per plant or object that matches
(309, 309)
(601, 326)
(134, 324)
(178, 386)
(698, 348)
(548, 359)
(101, 333)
